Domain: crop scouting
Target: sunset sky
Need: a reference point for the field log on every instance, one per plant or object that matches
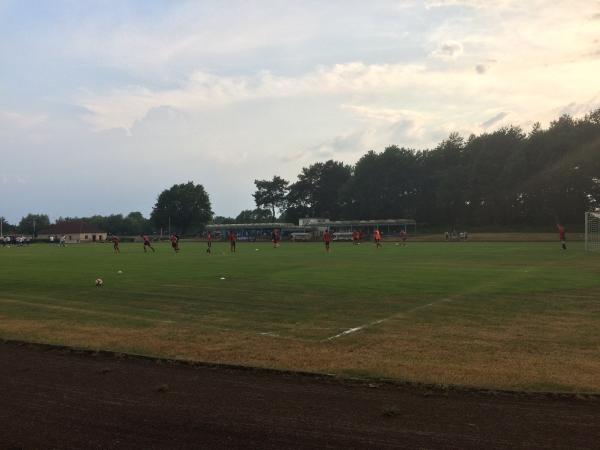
(103, 104)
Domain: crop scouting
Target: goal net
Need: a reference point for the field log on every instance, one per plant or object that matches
(592, 230)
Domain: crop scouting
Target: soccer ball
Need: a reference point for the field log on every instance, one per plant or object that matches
(99, 282)
(119, 272)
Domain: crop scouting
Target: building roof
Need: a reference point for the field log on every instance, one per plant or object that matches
(245, 226)
(371, 222)
(74, 227)
(308, 224)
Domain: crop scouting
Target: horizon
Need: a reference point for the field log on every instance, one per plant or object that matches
(117, 101)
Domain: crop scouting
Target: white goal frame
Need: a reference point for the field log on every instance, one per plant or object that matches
(592, 231)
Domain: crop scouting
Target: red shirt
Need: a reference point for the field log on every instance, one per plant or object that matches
(209, 237)
(377, 235)
(232, 237)
(146, 238)
(174, 239)
(327, 236)
(115, 240)
(561, 232)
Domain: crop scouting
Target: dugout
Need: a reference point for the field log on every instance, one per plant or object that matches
(386, 226)
(253, 231)
(313, 226)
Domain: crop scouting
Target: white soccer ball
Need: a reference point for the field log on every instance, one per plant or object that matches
(120, 272)
(99, 282)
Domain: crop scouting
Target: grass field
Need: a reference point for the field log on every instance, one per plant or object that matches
(498, 315)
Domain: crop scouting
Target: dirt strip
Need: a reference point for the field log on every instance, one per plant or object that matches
(55, 398)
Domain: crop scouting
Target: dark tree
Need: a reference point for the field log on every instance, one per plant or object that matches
(7, 227)
(33, 223)
(219, 220)
(257, 215)
(131, 225)
(384, 185)
(185, 206)
(135, 223)
(271, 193)
(502, 179)
(318, 191)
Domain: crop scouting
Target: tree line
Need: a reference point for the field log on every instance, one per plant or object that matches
(508, 178)
(183, 208)
(133, 223)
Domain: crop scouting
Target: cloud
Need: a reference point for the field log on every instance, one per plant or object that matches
(482, 68)
(430, 4)
(494, 119)
(378, 114)
(448, 50)
(397, 126)
(123, 107)
(430, 95)
(580, 108)
(10, 119)
(337, 146)
(377, 128)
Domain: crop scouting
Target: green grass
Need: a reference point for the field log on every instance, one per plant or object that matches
(509, 315)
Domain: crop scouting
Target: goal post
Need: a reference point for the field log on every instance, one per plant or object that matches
(592, 231)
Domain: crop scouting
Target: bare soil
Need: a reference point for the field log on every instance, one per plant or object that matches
(53, 397)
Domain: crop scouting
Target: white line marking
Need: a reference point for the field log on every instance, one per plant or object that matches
(353, 330)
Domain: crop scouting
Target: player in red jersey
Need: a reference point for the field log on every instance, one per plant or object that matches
(377, 236)
(275, 238)
(355, 237)
(327, 240)
(175, 242)
(561, 235)
(208, 242)
(147, 243)
(115, 241)
(232, 239)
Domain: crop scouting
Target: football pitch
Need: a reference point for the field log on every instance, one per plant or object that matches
(500, 315)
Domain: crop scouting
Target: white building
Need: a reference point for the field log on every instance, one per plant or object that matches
(75, 232)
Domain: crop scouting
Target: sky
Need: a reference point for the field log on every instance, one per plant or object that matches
(103, 104)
